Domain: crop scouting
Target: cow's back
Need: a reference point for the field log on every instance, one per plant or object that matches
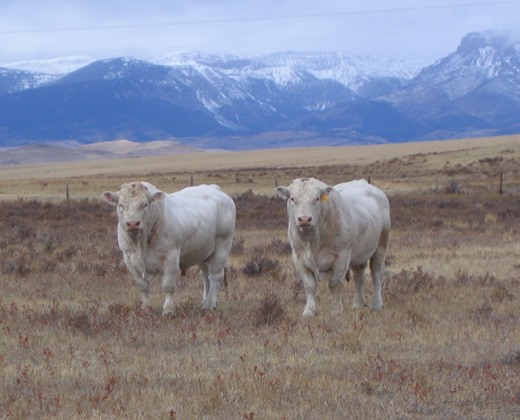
(206, 203)
(366, 214)
(364, 198)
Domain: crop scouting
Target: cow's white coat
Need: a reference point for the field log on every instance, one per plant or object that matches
(334, 229)
(163, 234)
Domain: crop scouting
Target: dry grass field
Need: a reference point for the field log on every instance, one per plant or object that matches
(75, 344)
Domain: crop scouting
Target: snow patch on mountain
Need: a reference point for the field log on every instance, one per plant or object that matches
(480, 59)
(284, 69)
(291, 68)
(53, 66)
(348, 69)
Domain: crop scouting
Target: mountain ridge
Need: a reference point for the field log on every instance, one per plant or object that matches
(117, 149)
(212, 99)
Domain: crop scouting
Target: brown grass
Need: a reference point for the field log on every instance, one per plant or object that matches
(74, 342)
(394, 167)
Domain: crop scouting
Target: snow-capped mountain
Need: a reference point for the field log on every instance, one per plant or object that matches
(479, 59)
(53, 66)
(211, 100)
(32, 74)
(289, 67)
(17, 80)
(476, 88)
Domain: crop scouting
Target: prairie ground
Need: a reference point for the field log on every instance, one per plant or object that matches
(74, 342)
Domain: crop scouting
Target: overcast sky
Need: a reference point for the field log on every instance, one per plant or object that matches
(423, 30)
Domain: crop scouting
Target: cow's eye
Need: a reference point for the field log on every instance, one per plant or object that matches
(144, 205)
(317, 199)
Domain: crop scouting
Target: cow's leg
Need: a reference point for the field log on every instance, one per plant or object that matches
(336, 281)
(141, 280)
(337, 290)
(204, 275)
(169, 281)
(309, 275)
(377, 278)
(215, 279)
(359, 285)
(216, 267)
(143, 285)
(310, 281)
(309, 285)
(377, 266)
(168, 284)
(144, 288)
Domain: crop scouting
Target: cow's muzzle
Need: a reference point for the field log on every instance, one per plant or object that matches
(304, 221)
(133, 226)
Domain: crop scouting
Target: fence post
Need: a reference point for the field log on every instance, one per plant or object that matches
(67, 192)
(370, 179)
(275, 182)
(500, 190)
(191, 181)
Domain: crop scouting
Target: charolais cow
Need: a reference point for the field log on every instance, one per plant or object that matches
(334, 229)
(164, 234)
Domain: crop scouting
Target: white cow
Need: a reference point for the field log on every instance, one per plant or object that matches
(332, 229)
(167, 233)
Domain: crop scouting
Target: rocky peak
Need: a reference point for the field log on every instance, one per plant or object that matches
(479, 40)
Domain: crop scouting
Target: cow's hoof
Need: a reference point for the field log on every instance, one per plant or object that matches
(208, 305)
(168, 312)
(309, 313)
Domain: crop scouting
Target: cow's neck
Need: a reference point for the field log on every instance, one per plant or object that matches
(329, 222)
(313, 240)
(138, 242)
(308, 238)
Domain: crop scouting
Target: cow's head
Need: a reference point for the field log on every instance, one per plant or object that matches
(305, 199)
(134, 202)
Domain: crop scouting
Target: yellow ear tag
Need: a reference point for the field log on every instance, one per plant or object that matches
(324, 197)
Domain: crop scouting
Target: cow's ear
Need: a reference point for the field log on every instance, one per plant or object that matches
(159, 195)
(110, 197)
(282, 192)
(325, 193)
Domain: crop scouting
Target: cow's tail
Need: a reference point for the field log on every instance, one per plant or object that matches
(224, 281)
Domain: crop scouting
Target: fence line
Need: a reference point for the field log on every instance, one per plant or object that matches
(501, 191)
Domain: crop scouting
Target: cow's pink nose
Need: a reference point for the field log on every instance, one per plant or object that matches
(133, 225)
(304, 220)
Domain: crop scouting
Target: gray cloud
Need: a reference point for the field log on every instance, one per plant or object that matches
(402, 29)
